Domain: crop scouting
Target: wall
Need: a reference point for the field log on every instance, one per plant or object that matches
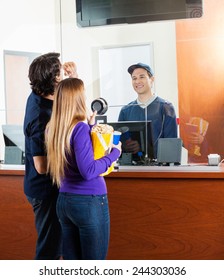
(26, 26)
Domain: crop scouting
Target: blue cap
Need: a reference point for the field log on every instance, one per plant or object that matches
(140, 65)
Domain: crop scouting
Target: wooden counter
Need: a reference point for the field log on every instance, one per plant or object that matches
(17, 234)
(156, 213)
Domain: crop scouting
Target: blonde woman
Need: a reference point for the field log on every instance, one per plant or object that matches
(82, 204)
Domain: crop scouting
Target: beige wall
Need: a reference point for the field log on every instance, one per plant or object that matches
(25, 26)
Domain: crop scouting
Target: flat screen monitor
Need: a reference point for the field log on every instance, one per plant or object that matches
(14, 143)
(106, 12)
(141, 132)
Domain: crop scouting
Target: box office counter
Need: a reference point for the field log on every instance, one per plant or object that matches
(157, 212)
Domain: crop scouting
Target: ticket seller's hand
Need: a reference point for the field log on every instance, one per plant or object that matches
(132, 146)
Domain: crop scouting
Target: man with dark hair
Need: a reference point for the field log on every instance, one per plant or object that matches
(44, 73)
(161, 112)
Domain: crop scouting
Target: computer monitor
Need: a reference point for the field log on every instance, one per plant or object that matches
(140, 131)
(14, 144)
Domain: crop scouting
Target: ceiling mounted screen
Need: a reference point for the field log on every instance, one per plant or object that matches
(107, 12)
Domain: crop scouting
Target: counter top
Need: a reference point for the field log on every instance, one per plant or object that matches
(187, 171)
(12, 169)
(175, 168)
(181, 171)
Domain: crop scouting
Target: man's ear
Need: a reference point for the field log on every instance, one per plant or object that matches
(58, 78)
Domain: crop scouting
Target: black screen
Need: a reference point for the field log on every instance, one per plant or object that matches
(105, 12)
(13, 136)
(139, 131)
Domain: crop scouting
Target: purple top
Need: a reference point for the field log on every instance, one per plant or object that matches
(82, 174)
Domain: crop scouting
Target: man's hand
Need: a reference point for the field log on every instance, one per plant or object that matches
(195, 138)
(132, 146)
(70, 69)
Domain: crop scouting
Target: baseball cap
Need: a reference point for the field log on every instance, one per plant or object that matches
(140, 65)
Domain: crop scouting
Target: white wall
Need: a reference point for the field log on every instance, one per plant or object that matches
(82, 45)
(27, 26)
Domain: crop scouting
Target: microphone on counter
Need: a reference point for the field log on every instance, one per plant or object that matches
(101, 106)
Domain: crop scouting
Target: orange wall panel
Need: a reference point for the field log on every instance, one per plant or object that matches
(200, 64)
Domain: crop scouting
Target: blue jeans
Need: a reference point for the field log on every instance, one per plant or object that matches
(49, 234)
(85, 222)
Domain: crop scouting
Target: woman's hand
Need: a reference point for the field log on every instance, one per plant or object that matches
(91, 118)
(118, 146)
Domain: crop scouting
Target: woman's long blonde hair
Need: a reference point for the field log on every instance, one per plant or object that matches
(69, 108)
